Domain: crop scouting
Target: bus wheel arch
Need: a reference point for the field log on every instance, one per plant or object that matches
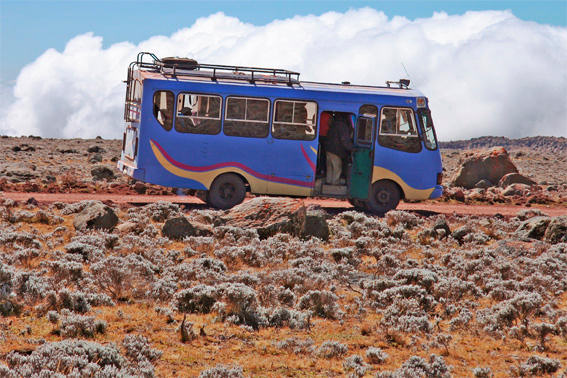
(227, 190)
(384, 196)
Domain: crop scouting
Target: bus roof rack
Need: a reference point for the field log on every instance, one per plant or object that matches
(190, 67)
(402, 83)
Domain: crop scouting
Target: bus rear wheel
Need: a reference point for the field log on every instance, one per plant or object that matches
(384, 196)
(227, 191)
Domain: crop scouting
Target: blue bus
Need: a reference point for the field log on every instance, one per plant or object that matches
(228, 130)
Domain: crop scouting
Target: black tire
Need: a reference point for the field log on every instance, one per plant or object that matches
(358, 203)
(226, 191)
(384, 196)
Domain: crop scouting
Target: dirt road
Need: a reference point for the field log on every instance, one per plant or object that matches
(426, 207)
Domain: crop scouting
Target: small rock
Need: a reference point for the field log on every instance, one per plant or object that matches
(442, 225)
(95, 158)
(126, 227)
(459, 195)
(515, 190)
(95, 148)
(483, 184)
(533, 228)
(96, 216)
(140, 187)
(461, 232)
(556, 231)
(179, 228)
(101, 172)
(515, 178)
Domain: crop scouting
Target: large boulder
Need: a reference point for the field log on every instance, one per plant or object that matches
(95, 216)
(489, 165)
(515, 178)
(270, 216)
(556, 231)
(533, 228)
(179, 228)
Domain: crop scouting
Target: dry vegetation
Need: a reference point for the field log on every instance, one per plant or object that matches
(404, 295)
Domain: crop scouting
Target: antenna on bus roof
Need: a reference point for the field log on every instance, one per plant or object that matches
(406, 71)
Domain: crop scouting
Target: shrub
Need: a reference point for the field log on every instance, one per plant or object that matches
(330, 349)
(322, 303)
(197, 299)
(536, 365)
(416, 366)
(222, 371)
(124, 276)
(293, 319)
(85, 357)
(296, 345)
(356, 363)
(484, 372)
(376, 355)
(73, 325)
(138, 349)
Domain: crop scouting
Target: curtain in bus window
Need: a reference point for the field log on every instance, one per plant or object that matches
(246, 117)
(198, 114)
(398, 130)
(295, 120)
(163, 109)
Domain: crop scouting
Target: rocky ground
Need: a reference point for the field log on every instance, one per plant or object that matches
(275, 287)
(32, 164)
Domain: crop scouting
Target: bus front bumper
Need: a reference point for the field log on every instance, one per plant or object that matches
(136, 173)
(437, 192)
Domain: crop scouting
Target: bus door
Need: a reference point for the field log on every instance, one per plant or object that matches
(362, 157)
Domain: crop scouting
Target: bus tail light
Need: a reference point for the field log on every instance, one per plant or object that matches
(439, 178)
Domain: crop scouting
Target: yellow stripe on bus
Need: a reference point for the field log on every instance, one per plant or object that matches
(206, 178)
(410, 193)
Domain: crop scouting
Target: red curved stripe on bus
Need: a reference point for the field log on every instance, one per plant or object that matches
(311, 164)
(259, 175)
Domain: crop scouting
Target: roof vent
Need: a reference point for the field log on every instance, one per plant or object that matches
(345, 83)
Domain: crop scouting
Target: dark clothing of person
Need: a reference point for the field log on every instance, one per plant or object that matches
(338, 139)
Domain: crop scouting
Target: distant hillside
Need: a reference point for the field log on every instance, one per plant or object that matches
(541, 143)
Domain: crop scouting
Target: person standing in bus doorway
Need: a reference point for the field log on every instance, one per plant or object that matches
(324, 124)
(339, 144)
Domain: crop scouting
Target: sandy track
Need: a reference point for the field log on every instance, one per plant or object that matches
(426, 207)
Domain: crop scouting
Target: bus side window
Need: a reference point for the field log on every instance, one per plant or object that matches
(198, 114)
(365, 124)
(398, 130)
(163, 109)
(246, 117)
(295, 120)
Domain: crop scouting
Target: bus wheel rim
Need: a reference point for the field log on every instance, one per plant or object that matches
(383, 196)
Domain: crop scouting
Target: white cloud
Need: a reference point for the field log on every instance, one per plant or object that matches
(485, 73)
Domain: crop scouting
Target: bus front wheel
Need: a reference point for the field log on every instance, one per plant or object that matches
(227, 190)
(384, 196)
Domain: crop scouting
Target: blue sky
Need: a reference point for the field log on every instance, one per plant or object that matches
(28, 28)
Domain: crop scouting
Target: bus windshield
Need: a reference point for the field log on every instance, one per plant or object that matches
(427, 129)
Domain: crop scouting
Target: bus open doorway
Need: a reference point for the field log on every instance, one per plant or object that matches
(333, 175)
